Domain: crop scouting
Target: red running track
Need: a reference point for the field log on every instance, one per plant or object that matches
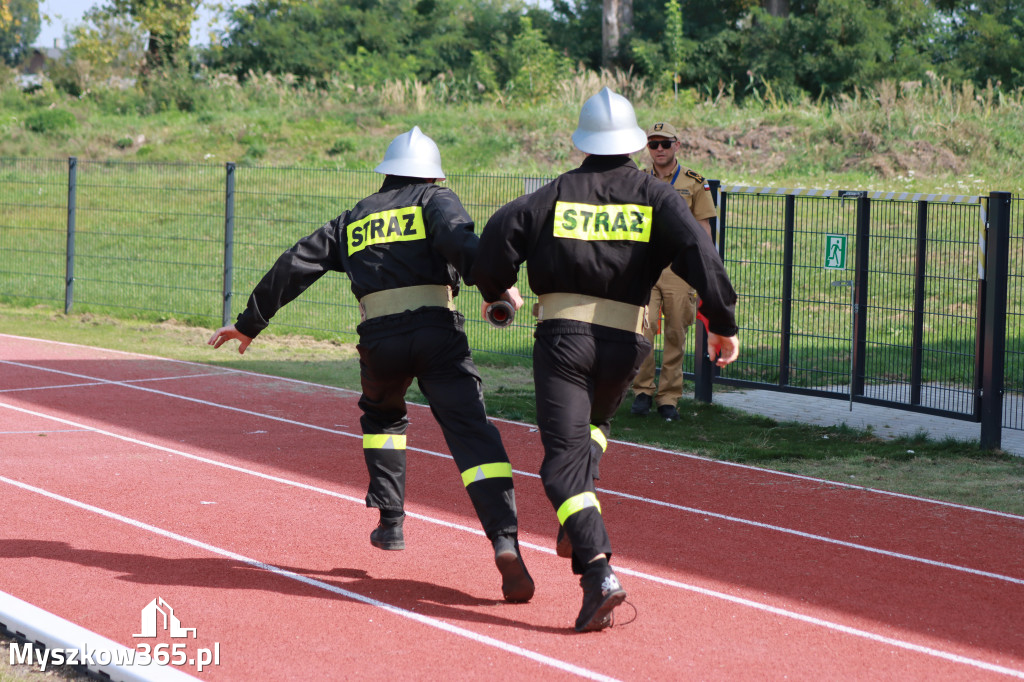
(238, 499)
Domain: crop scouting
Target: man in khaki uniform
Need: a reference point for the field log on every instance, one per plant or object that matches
(676, 299)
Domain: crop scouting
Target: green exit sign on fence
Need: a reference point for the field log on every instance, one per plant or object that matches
(835, 252)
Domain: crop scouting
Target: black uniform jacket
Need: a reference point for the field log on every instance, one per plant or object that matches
(409, 233)
(605, 229)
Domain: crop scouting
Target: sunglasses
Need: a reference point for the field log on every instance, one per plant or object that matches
(664, 144)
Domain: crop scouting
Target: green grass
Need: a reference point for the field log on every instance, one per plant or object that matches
(949, 470)
(942, 137)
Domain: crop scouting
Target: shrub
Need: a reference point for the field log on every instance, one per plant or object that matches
(342, 146)
(174, 89)
(50, 121)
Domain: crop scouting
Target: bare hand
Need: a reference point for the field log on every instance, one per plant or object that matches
(723, 349)
(512, 296)
(230, 332)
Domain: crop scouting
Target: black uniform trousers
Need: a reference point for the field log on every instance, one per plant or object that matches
(430, 345)
(581, 375)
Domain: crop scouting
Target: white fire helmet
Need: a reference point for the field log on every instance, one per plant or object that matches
(412, 155)
(608, 126)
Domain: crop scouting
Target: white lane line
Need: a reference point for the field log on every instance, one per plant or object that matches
(899, 643)
(531, 427)
(355, 596)
(46, 388)
(604, 491)
(111, 382)
(818, 538)
(13, 433)
(98, 382)
(322, 491)
(511, 648)
(823, 482)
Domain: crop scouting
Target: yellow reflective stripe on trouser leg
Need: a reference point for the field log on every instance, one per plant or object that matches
(577, 503)
(383, 441)
(598, 435)
(492, 470)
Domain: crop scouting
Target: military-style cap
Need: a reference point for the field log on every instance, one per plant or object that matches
(662, 129)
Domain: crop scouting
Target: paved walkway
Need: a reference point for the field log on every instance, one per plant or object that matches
(885, 422)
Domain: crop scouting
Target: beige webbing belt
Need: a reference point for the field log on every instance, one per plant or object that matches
(392, 301)
(602, 311)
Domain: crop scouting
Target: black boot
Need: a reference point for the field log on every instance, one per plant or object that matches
(388, 533)
(516, 583)
(601, 594)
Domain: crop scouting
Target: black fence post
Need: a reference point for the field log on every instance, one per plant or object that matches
(703, 370)
(997, 258)
(920, 263)
(720, 232)
(69, 252)
(979, 332)
(860, 305)
(786, 316)
(229, 241)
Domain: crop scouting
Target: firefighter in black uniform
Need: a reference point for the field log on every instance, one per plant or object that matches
(595, 241)
(404, 249)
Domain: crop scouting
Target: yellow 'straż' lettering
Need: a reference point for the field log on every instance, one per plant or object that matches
(396, 225)
(611, 222)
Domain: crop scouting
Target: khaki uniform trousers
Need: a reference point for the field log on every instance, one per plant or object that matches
(678, 303)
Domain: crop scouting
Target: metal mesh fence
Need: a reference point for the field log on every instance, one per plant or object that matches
(33, 229)
(274, 208)
(1013, 397)
(799, 321)
(923, 353)
(149, 237)
(191, 241)
(754, 241)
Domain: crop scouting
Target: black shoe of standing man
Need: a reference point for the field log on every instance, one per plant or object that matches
(668, 412)
(641, 405)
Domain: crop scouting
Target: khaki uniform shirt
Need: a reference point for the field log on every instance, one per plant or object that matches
(692, 187)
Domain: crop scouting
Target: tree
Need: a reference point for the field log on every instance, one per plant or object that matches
(168, 24)
(674, 47)
(840, 46)
(983, 40)
(365, 41)
(616, 25)
(19, 27)
(108, 44)
(534, 68)
(575, 31)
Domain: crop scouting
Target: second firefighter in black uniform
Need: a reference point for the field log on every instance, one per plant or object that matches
(404, 249)
(594, 241)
